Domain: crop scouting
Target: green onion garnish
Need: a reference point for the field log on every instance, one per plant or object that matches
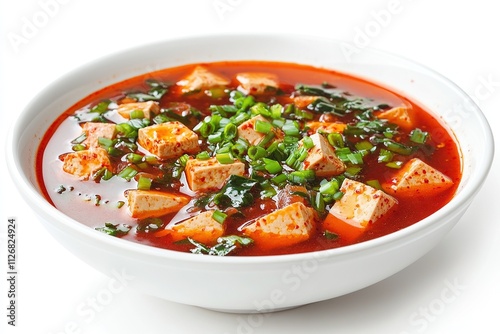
(219, 216)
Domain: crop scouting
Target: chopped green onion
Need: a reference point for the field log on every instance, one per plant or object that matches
(363, 145)
(275, 111)
(279, 179)
(151, 159)
(183, 159)
(219, 216)
(355, 158)
(101, 107)
(127, 173)
(394, 164)
(126, 130)
(329, 188)
(267, 138)
(230, 131)
(203, 155)
(352, 171)
(136, 114)
(215, 137)
(385, 156)
(105, 142)
(272, 166)
(418, 136)
(330, 235)
(397, 147)
(78, 147)
(144, 183)
(256, 152)
(224, 158)
(80, 139)
(307, 142)
(291, 128)
(262, 126)
(302, 176)
(134, 158)
(374, 183)
(268, 190)
(335, 139)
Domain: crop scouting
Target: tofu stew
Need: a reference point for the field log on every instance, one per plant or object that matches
(248, 158)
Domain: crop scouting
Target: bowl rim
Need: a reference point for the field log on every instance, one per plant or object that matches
(426, 225)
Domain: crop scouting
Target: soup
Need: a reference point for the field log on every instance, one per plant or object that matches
(247, 158)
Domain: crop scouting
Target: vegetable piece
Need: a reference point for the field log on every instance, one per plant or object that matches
(224, 246)
(116, 230)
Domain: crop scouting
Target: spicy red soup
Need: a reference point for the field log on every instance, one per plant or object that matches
(247, 158)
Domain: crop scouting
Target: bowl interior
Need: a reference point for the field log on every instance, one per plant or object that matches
(434, 92)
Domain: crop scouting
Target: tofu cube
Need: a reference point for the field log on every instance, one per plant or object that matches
(284, 227)
(201, 79)
(246, 130)
(203, 175)
(257, 83)
(360, 206)
(329, 127)
(94, 130)
(152, 203)
(202, 228)
(168, 140)
(322, 158)
(149, 109)
(401, 116)
(417, 178)
(83, 164)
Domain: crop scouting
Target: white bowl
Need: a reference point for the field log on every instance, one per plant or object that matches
(254, 284)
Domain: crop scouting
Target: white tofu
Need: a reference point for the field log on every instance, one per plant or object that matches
(322, 158)
(149, 109)
(284, 227)
(329, 127)
(152, 203)
(202, 228)
(83, 164)
(203, 175)
(360, 206)
(94, 130)
(417, 178)
(257, 83)
(168, 140)
(401, 116)
(246, 131)
(201, 79)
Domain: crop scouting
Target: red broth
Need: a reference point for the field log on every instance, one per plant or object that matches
(96, 203)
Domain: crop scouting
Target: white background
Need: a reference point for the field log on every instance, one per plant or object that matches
(453, 289)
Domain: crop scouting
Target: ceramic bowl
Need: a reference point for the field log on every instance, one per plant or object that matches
(254, 284)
